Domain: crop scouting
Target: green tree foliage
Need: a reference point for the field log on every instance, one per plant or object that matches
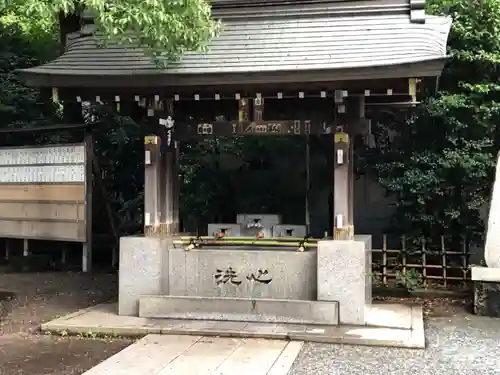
(164, 28)
(19, 105)
(440, 164)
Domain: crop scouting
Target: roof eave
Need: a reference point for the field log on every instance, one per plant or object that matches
(36, 77)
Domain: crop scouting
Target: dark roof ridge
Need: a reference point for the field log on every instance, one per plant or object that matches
(251, 9)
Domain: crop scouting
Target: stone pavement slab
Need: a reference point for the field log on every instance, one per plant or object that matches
(197, 355)
(389, 325)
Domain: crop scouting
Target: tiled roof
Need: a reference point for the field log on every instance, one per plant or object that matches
(305, 37)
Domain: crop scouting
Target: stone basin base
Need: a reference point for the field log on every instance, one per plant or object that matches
(239, 309)
(215, 281)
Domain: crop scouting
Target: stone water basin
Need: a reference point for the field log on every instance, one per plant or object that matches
(242, 271)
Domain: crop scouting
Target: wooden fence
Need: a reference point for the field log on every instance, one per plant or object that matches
(436, 265)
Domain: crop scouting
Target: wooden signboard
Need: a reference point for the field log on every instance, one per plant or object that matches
(43, 193)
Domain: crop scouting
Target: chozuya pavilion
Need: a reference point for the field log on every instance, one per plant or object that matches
(303, 67)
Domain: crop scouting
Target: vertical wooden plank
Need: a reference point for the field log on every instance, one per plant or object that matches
(89, 185)
(424, 264)
(152, 164)
(258, 108)
(384, 260)
(243, 110)
(465, 263)
(444, 262)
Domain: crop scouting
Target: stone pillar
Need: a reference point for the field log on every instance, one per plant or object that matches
(487, 279)
(344, 275)
(492, 245)
(141, 272)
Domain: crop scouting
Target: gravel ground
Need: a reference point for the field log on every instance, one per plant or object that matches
(459, 344)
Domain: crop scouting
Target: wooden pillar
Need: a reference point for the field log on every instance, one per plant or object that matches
(161, 185)
(152, 165)
(343, 200)
(89, 186)
(357, 112)
(176, 187)
(169, 189)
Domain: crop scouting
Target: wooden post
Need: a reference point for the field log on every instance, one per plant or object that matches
(152, 164)
(89, 186)
(343, 228)
(99, 180)
(357, 116)
(176, 187)
(169, 189)
(169, 222)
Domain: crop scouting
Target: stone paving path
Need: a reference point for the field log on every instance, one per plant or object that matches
(197, 355)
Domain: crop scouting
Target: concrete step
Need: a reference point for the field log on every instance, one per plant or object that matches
(239, 309)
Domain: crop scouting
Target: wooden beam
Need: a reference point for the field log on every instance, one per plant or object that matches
(50, 128)
(261, 128)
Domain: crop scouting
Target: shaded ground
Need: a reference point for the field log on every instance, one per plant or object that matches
(40, 298)
(435, 307)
